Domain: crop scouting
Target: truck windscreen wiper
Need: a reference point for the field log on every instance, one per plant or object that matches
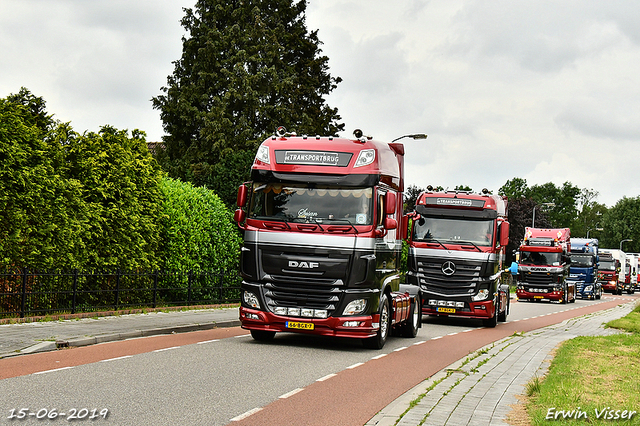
(433, 240)
(347, 222)
(468, 242)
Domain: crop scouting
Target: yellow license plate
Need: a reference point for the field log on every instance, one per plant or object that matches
(446, 310)
(300, 325)
(538, 297)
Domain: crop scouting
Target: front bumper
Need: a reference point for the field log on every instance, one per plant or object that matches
(481, 310)
(610, 288)
(361, 327)
(584, 290)
(554, 295)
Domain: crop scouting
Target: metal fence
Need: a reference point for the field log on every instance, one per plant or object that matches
(28, 292)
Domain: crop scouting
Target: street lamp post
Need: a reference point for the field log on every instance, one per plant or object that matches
(594, 229)
(624, 241)
(533, 221)
(412, 136)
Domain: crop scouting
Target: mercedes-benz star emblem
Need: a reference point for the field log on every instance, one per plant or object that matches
(448, 268)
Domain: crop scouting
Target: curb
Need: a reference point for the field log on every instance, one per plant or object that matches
(88, 341)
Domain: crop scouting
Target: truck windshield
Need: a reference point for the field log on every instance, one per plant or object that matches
(301, 203)
(606, 265)
(539, 258)
(582, 260)
(453, 230)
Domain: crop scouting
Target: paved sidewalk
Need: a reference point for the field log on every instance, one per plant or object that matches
(481, 388)
(24, 338)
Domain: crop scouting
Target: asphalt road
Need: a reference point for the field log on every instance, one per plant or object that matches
(215, 377)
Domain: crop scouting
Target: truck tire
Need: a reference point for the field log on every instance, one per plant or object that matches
(493, 321)
(503, 315)
(410, 327)
(378, 341)
(599, 293)
(263, 335)
(565, 295)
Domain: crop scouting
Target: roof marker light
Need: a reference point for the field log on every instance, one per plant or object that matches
(366, 157)
(263, 154)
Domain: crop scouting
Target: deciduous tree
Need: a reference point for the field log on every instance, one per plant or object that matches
(622, 222)
(246, 67)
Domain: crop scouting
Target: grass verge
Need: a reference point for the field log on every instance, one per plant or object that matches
(592, 380)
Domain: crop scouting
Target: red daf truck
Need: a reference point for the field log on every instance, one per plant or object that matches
(321, 252)
(543, 268)
(457, 247)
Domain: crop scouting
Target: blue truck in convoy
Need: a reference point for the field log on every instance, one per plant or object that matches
(583, 270)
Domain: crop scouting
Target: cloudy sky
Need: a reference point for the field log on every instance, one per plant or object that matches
(548, 91)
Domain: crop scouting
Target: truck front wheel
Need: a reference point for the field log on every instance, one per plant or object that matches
(493, 321)
(262, 335)
(378, 341)
(503, 315)
(410, 327)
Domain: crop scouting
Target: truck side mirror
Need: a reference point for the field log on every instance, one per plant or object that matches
(405, 227)
(390, 203)
(239, 215)
(241, 199)
(390, 223)
(504, 234)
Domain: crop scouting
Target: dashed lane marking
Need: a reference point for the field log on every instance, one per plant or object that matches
(51, 371)
(117, 358)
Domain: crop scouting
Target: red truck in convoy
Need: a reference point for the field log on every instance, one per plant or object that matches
(322, 245)
(543, 268)
(614, 272)
(608, 273)
(457, 247)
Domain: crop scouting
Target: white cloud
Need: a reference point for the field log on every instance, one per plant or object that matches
(543, 90)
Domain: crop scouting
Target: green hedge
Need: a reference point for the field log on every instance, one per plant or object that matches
(99, 200)
(197, 229)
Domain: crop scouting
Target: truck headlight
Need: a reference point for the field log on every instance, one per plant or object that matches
(482, 295)
(251, 299)
(355, 307)
(588, 288)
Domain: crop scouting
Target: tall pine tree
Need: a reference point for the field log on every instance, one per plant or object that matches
(247, 66)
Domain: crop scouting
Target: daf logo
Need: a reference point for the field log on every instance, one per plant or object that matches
(303, 265)
(448, 268)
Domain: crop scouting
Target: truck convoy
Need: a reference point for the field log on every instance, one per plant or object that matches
(456, 252)
(612, 270)
(583, 271)
(543, 268)
(321, 252)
